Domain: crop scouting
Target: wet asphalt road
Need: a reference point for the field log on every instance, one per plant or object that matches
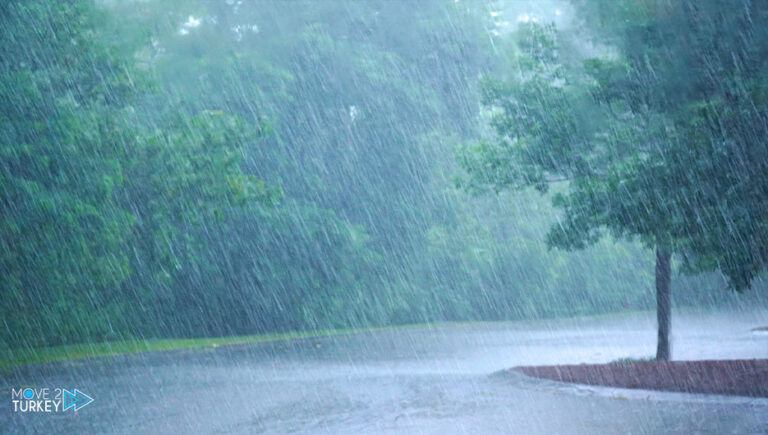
(413, 380)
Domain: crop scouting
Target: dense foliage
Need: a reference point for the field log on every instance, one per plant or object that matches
(187, 168)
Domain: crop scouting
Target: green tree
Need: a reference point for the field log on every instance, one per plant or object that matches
(101, 207)
(649, 142)
(64, 98)
(695, 74)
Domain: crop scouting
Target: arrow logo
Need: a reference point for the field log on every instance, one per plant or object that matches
(76, 400)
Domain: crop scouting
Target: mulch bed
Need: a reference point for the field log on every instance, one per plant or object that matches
(731, 377)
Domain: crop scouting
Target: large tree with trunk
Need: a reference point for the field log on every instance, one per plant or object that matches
(696, 71)
(662, 139)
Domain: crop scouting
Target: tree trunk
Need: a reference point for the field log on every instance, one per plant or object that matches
(663, 302)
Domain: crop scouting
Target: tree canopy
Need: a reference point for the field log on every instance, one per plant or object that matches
(188, 168)
(661, 138)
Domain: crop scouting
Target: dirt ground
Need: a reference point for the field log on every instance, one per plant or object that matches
(744, 377)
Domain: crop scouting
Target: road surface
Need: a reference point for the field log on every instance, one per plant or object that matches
(414, 380)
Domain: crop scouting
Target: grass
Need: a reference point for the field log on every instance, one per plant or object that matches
(22, 357)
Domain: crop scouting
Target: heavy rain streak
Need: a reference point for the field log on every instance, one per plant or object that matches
(384, 216)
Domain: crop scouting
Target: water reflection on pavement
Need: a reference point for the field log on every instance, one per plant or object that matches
(409, 380)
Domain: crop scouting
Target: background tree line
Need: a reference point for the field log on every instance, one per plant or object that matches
(188, 168)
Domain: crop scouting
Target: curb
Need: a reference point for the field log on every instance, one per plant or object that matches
(529, 382)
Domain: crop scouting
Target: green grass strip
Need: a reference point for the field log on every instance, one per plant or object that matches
(21, 357)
